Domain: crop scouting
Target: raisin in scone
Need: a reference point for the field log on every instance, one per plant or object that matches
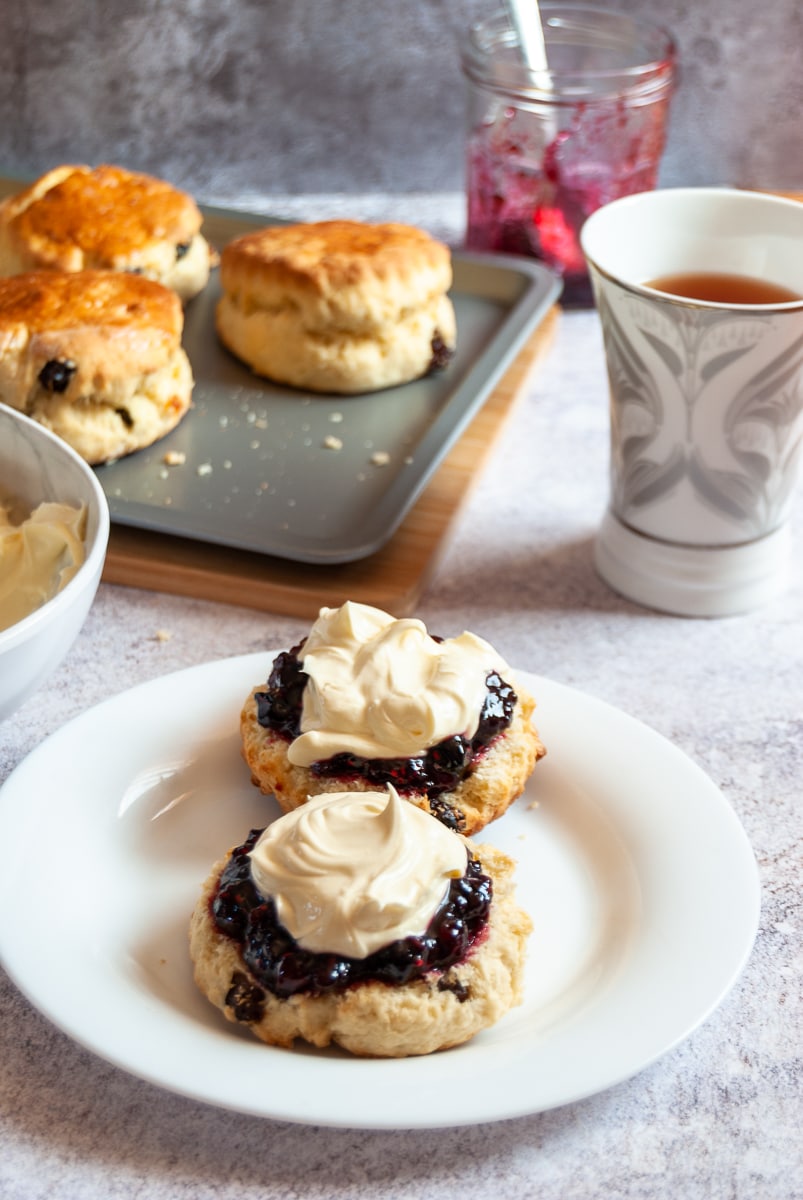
(76, 218)
(338, 306)
(94, 356)
(360, 920)
(365, 700)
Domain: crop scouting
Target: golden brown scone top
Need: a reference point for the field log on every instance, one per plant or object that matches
(61, 301)
(102, 315)
(76, 216)
(327, 257)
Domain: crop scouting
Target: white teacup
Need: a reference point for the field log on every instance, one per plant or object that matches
(706, 395)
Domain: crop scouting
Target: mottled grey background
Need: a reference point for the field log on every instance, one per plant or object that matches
(275, 97)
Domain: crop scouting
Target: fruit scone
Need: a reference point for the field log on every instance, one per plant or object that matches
(366, 700)
(95, 356)
(338, 306)
(76, 218)
(361, 920)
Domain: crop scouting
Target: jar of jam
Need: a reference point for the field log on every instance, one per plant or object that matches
(546, 148)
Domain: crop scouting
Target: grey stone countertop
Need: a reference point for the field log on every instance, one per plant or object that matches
(716, 1117)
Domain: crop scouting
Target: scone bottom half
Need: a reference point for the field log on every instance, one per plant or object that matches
(418, 994)
(465, 780)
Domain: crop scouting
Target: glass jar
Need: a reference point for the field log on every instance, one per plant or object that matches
(547, 148)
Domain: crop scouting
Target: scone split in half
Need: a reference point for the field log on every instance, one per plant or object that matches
(360, 920)
(94, 356)
(366, 700)
(337, 306)
(76, 218)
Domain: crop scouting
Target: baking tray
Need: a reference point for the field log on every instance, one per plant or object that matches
(259, 470)
(258, 467)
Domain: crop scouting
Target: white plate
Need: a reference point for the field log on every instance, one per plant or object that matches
(640, 880)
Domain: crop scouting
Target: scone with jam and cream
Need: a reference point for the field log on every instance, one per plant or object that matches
(362, 921)
(366, 700)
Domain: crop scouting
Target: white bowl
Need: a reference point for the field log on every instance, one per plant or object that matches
(35, 465)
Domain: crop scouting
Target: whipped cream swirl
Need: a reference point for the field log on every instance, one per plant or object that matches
(383, 688)
(351, 872)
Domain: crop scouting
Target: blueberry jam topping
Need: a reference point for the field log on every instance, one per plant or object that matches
(279, 965)
(279, 707)
(437, 770)
(56, 374)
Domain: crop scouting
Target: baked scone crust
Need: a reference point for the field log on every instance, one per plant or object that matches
(76, 218)
(498, 779)
(127, 380)
(376, 1019)
(347, 274)
(337, 306)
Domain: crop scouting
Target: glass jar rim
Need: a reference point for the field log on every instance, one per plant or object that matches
(490, 56)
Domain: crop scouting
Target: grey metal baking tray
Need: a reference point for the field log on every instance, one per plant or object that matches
(260, 468)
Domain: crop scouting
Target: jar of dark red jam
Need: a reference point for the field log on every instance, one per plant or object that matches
(547, 148)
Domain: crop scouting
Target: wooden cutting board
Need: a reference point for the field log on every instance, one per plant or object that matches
(392, 579)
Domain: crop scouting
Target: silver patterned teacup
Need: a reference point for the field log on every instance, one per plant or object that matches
(700, 296)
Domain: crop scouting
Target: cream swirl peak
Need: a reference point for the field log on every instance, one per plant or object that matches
(351, 872)
(384, 688)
